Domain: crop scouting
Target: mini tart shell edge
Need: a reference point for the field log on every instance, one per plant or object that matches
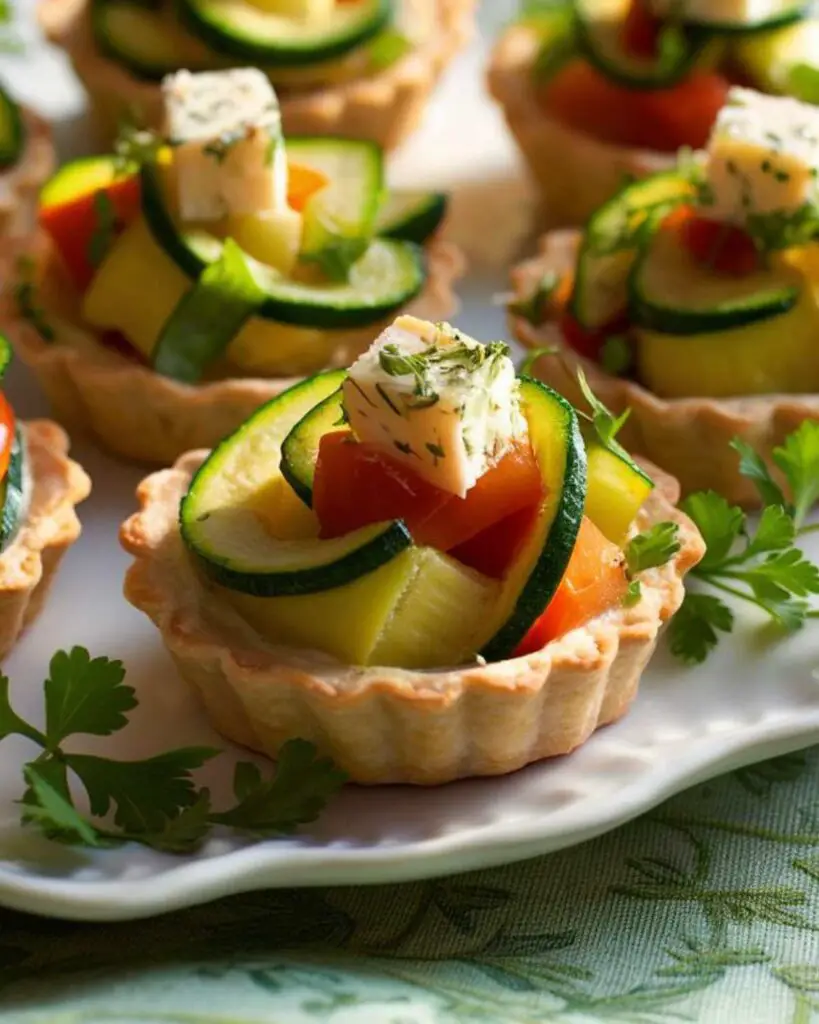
(29, 565)
(389, 725)
(688, 437)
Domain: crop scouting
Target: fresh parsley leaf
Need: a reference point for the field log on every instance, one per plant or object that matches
(775, 532)
(85, 695)
(789, 571)
(143, 793)
(528, 363)
(693, 632)
(184, 831)
(55, 815)
(719, 523)
(535, 306)
(135, 146)
(634, 594)
(606, 425)
(798, 458)
(752, 466)
(295, 795)
(337, 258)
(10, 723)
(652, 548)
(105, 228)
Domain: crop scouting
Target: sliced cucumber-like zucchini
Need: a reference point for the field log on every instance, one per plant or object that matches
(785, 12)
(13, 492)
(149, 42)
(599, 35)
(541, 564)
(242, 29)
(611, 240)
(220, 523)
(388, 275)
(12, 130)
(300, 448)
(617, 489)
(785, 61)
(83, 177)
(671, 292)
(339, 220)
(411, 215)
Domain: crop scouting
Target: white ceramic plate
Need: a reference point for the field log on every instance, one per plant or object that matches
(752, 701)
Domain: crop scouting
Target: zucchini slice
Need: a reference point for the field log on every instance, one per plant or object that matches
(785, 61)
(13, 492)
(339, 220)
(412, 216)
(788, 12)
(149, 42)
(388, 275)
(221, 526)
(617, 489)
(12, 130)
(241, 29)
(301, 446)
(533, 579)
(672, 293)
(610, 243)
(598, 31)
(82, 177)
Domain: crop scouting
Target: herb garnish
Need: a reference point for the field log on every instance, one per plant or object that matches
(649, 550)
(25, 296)
(761, 566)
(535, 307)
(135, 146)
(155, 801)
(106, 224)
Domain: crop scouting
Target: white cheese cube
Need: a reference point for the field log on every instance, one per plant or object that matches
(763, 158)
(437, 400)
(229, 154)
(716, 12)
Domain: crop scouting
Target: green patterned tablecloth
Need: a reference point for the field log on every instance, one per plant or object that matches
(706, 909)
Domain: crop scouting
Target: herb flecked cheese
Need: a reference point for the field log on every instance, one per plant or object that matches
(225, 129)
(762, 160)
(445, 404)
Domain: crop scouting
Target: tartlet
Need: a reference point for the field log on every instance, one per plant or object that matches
(676, 294)
(578, 168)
(90, 328)
(385, 106)
(28, 566)
(392, 724)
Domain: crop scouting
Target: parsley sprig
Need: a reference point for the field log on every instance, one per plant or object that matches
(761, 565)
(650, 549)
(155, 801)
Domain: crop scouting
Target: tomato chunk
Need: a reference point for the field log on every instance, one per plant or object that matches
(581, 97)
(725, 248)
(7, 423)
(641, 30)
(589, 342)
(493, 551)
(100, 214)
(302, 185)
(595, 581)
(357, 484)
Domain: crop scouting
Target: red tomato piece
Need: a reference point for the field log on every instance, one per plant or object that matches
(581, 97)
(72, 225)
(356, 484)
(725, 248)
(7, 423)
(588, 343)
(595, 581)
(492, 551)
(641, 30)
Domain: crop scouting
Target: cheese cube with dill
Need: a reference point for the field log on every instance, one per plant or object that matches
(762, 161)
(225, 130)
(446, 405)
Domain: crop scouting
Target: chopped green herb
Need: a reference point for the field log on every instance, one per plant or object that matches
(405, 449)
(135, 146)
(652, 548)
(25, 296)
(105, 228)
(527, 365)
(436, 451)
(634, 594)
(535, 307)
(387, 400)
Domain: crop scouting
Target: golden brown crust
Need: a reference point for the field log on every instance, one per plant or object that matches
(386, 724)
(688, 437)
(20, 184)
(28, 566)
(138, 413)
(575, 172)
(384, 108)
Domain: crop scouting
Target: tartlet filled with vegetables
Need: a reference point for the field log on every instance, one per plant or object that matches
(597, 92)
(428, 566)
(39, 489)
(176, 286)
(26, 161)
(691, 297)
(359, 68)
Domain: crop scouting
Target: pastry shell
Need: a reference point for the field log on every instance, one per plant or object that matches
(689, 437)
(142, 415)
(575, 172)
(20, 183)
(29, 565)
(388, 725)
(385, 107)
